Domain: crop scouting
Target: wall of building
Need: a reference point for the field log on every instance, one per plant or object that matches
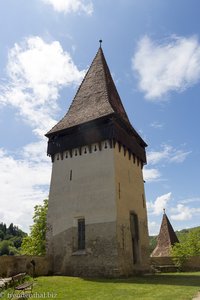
(130, 197)
(83, 186)
(12, 265)
(101, 184)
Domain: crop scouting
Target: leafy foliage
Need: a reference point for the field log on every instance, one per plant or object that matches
(152, 243)
(10, 239)
(182, 235)
(34, 244)
(189, 246)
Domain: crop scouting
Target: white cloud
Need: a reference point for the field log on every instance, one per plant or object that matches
(75, 6)
(167, 66)
(183, 213)
(151, 174)
(23, 183)
(191, 200)
(159, 204)
(36, 72)
(153, 228)
(157, 125)
(168, 154)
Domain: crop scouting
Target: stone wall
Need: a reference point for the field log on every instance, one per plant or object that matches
(192, 264)
(12, 265)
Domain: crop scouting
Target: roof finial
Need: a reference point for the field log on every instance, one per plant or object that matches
(163, 210)
(100, 41)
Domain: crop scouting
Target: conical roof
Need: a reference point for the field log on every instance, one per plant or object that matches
(96, 97)
(166, 238)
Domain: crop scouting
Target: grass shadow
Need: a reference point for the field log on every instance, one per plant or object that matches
(179, 279)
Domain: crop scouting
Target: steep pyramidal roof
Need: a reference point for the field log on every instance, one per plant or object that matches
(96, 97)
(166, 238)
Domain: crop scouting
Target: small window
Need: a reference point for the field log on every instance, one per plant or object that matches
(70, 175)
(119, 190)
(81, 234)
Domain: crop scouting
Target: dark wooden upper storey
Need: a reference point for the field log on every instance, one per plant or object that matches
(96, 114)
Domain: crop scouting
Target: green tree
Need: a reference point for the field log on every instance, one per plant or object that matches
(189, 246)
(1, 235)
(35, 243)
(152, 243)
(4, 248)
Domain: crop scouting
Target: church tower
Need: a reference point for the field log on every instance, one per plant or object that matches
(97, 219)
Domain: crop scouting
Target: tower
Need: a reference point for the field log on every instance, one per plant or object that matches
(97, 219)
(166, 238)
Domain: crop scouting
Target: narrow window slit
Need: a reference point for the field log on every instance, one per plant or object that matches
(81, 234)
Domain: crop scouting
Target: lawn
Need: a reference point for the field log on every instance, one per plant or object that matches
(170, 286)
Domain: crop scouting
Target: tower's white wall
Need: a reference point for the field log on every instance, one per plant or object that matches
(90, 193)
(102, 186)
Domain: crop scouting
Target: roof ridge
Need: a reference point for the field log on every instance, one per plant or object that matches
(84, 78)
(104, 72)
(107, 74)
(170, 230)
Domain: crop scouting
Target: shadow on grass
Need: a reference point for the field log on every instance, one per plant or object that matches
(160, 279)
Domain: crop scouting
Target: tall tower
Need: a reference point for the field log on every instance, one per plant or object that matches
(97, 219)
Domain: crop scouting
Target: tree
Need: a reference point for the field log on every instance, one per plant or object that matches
(189, 246)
(1, 235)
(35, 243)
(4, 248)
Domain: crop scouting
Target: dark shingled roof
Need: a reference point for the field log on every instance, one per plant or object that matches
(166, 238)
(96, 97)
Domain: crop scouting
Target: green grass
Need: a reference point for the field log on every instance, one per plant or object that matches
(171, 286)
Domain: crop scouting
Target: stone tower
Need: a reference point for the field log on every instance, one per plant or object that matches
(97, 219)
(166, 238)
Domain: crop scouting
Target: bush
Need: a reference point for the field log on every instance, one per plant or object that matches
(189, 246)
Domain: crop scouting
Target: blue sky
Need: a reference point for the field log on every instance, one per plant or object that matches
(153, 50)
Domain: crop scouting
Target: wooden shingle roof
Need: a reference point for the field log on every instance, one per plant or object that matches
(166, 238)
(96, 97)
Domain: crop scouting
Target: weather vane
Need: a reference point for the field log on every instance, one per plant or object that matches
(100, 41)
(164, 210)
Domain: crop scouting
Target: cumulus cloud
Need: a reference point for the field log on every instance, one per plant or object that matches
(24, 183)
(36, 72)
(173, 65)
(75, 6)
(159, 204)
(168, 154)
(153, 228)
(184, 213)
(151, 174)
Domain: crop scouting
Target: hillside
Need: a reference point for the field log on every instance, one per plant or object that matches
(10, 239)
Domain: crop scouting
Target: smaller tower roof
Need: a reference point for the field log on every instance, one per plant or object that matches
(166, 238)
